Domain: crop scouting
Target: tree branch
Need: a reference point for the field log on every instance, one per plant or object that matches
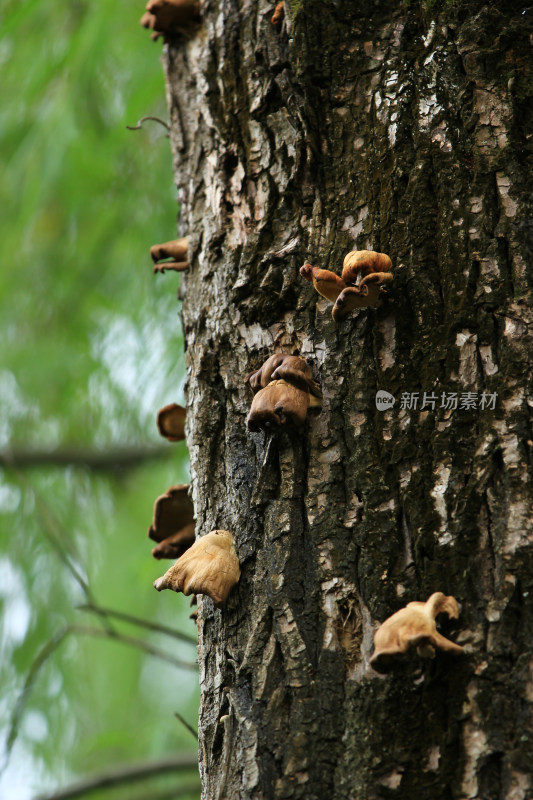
(128, 773)
(120, 458)
(143, 623)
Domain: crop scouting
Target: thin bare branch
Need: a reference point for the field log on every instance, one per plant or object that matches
(128, 773)
(139, 125)
(143, 623)
(186, 724)
(49, 648)
(113, 459)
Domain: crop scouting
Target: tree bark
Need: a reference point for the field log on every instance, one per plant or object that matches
(403, 128)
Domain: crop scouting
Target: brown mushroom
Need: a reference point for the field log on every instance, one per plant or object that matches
(284, 389)
(414, 627)
(363, 274)
(173, 523)
(325, 282)
(281, 366)
(279, 402)
(209, 567)
(277, 16)
(176, 251)
(171, 17)
(171, 422)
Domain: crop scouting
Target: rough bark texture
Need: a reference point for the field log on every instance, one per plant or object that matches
(406, 129)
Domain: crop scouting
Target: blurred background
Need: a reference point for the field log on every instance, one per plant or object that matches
(90, 349)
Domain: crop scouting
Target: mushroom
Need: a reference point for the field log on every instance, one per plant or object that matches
(414, 626)
(281, 366)
(176, 251)
(363, 274)
(284, 389)
(279, 11)
(173, 523)
(209, 567)
(170, 17)
(171, 422)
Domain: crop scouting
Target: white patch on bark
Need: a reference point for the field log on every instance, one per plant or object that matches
(439, 490)
(433, 759)
(493, 113)
(520, 785)
(504, 184)
(387, 328)
(489, 367)
(392, 780)
(475, 748)
(466, 342)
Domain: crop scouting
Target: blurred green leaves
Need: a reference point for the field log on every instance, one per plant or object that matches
(90, 348)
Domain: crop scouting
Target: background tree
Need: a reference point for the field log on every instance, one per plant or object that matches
(404, 128)
(90, 349)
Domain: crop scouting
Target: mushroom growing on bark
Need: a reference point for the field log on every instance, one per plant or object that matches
(176, 252)
(171, 422)
(173, 523)
(171, 17)
(284, 389)
(363, 274)
(209, 567)
(414, 627)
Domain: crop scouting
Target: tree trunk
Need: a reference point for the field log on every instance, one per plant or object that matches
(398, 127)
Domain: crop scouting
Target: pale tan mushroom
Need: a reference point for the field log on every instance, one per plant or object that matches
(209, 567)
(177, 253)
(414, 627)
(171, 422)
(173, 523)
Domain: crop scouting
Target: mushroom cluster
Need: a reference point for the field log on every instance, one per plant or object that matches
(414, 627)
(171, 255)
(173, 523)
(168, 18)
(363, 274)
(209, 567)
(283, 391)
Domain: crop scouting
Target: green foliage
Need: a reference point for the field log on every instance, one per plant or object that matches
(90, 348)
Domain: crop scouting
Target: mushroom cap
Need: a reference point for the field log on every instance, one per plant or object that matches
(283, 366)
(360, 263)
(172, 14)
(327, 283)
(175, 545)
(279, 402)
(209, 567)
(414, 627)
(171, 422)
(173, 511)
(363, 296)
(177, 249)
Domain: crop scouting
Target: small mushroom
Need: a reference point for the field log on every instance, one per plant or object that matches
(171, 17)
(277, 16)
(171, 422)
(209, 567)
(173, 523)
(363, 274)
(325, 282)
(414, 626)
(176, 251)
